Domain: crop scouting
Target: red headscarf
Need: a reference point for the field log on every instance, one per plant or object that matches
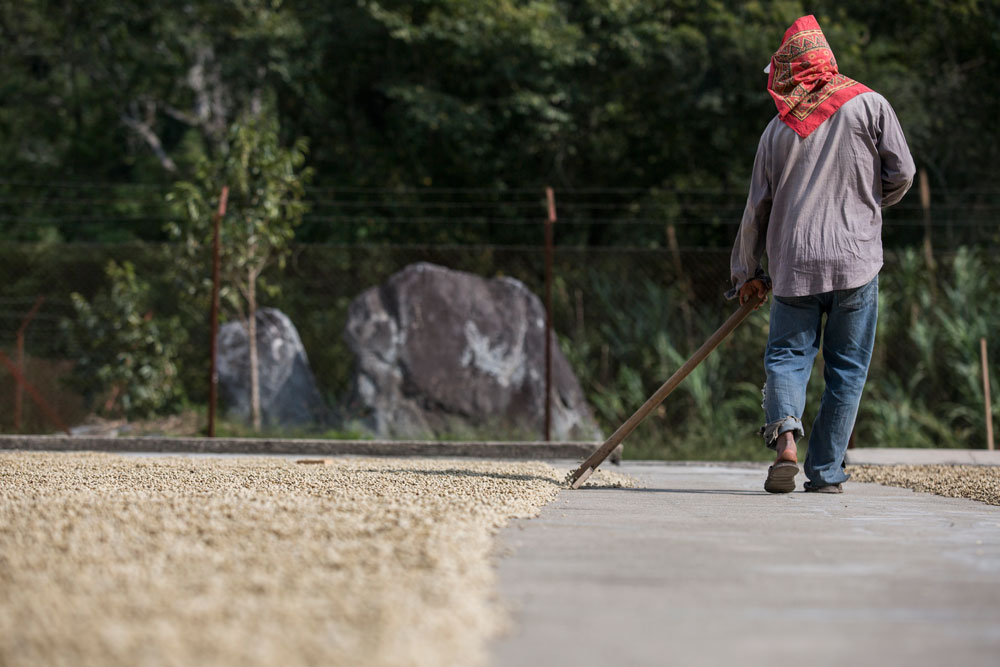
(804, 82)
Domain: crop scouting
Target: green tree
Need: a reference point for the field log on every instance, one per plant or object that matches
(125, 356)
(266, 188)
(128, 93)
(497, 93)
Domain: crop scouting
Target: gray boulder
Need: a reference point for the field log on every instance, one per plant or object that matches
(288, 393)
(442, 352)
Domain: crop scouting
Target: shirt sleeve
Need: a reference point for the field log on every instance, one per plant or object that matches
(750, 241)
(897, 163)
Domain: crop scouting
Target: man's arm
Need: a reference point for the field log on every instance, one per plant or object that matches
(750, 241)
(897, 163)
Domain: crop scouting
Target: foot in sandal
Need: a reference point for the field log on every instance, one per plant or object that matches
(781, 475)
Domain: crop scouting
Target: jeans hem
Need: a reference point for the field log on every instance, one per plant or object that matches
(784, 425)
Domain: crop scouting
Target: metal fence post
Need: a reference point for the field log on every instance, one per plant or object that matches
(35, 395)
(18, 387)
(986, 394)
(925, 204)
(213, 379)
(549, 222)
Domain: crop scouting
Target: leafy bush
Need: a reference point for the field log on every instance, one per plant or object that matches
(928, 392)
(125, 357)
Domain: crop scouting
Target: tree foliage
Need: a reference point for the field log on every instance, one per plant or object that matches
(498, 93)
(266, 188)
(126, 357)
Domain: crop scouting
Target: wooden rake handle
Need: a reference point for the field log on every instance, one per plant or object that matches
(588, 467)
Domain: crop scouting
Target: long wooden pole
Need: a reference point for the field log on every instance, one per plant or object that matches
(986, 394)
(213, 376)
(597, 458)
(549, 242)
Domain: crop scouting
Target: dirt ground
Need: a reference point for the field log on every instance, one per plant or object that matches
(110, 560)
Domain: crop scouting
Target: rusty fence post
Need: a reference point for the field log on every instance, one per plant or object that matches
(213, 376)
(549, 242)
(37, 397)
(925, 204)
(18, 387)
(986, 393)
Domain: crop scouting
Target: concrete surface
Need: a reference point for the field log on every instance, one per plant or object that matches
(914, 456)
(702, 567)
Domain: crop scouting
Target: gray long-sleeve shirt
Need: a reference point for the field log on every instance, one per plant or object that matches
(815, 204)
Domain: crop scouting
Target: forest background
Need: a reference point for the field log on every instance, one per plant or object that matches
(427, 130)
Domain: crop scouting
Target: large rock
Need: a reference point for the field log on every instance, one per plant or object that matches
(288, 393)
(442, 352)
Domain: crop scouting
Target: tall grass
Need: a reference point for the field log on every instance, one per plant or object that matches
(924, 387)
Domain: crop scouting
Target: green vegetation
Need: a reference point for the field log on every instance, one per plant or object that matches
(924, 388)
(931, 395)
(432, 127)
(126, 360)
(456, 93)
(265, 187)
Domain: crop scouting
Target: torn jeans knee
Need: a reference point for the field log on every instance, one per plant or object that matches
(774, 429)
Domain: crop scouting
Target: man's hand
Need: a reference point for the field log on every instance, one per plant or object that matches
(753, 289)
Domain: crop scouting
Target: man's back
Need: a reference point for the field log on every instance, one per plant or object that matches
(827, 191)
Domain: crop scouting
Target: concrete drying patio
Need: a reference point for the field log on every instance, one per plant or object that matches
(698, 567)
(703, 567)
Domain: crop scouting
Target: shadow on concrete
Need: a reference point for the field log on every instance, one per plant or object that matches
(725, 492)
(459, 472)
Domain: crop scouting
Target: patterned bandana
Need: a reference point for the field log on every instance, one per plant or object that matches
(804, 82)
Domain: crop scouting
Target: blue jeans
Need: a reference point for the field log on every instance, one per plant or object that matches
(793, 341)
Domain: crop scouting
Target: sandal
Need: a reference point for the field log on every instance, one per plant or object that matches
(828, 488)
(781, 477)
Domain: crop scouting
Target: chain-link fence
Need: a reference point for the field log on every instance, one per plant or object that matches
(638, 285)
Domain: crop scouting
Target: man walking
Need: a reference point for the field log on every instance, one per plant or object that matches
(826, 165)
